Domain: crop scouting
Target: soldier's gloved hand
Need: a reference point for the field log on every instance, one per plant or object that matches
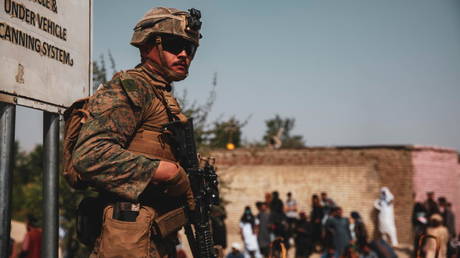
(176, 182)
(180, 185)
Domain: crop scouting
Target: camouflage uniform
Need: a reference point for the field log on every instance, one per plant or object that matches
(121, 143)
(116, 112)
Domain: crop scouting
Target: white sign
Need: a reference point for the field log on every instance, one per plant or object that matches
(45, 49)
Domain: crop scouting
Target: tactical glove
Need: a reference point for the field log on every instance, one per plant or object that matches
(180, 185)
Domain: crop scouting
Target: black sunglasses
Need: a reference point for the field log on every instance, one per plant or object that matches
(175, 45)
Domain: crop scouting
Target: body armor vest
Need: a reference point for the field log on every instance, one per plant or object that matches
(151, 139)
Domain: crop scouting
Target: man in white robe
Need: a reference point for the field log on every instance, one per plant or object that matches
(386, 217)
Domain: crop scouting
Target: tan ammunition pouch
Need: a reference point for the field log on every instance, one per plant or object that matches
(169, 222)
(135, 239)
(126, 239)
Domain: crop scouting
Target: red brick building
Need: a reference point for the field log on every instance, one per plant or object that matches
(352, 176)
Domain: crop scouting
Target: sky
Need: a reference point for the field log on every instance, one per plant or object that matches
(354, 72)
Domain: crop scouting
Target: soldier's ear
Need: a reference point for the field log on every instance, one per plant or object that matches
(145, 48)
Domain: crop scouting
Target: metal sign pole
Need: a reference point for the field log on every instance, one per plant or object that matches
(50, 184)
(7, 122)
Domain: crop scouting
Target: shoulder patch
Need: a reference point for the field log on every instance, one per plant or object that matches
(129, 84)
(132, 89)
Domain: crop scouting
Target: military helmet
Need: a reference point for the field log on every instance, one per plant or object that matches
(171, 21)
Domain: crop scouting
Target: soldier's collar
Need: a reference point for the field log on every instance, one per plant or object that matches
(150, 68)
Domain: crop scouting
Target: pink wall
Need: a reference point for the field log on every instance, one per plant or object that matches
(437, 170)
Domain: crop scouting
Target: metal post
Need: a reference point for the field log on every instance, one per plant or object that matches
(50, 184)
(7, 121)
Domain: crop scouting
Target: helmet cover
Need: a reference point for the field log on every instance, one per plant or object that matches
(169, 21)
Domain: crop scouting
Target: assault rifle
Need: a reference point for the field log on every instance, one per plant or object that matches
(203, 179)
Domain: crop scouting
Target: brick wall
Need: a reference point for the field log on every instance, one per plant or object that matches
(437, 170)
(344, 172)
(354, 188)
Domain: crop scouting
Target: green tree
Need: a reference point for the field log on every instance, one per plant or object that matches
(224, 132)
(27, 183)
(278, 133)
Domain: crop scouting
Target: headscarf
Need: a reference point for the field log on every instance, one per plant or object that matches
(247, 216)
(386, 195)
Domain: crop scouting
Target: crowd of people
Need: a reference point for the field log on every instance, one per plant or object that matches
(327, 231)
(435, 218)
(324, 230)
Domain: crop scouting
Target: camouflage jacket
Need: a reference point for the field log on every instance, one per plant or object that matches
(101, 155)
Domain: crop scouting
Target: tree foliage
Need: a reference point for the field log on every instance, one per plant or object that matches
(281, 128)
(225, 132)
(27, 183)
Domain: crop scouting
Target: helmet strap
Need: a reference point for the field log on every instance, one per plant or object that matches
(169, 74)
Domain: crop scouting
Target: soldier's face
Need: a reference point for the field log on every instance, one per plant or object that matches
(177, 53)
(178, 63)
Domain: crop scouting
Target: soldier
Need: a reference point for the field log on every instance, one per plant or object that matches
(123, 149)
